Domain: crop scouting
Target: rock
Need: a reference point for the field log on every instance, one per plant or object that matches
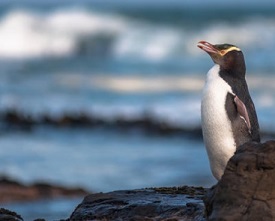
(7, 215)
(246, 190)
(177, 203)
(14, 119)
(14, 191)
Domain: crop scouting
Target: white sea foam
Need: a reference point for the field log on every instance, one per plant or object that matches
(27, 34)
(145, 42)
(138, 84)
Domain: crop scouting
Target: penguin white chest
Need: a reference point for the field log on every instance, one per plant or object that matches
(216, 126)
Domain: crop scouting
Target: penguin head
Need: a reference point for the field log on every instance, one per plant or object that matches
(228, 56)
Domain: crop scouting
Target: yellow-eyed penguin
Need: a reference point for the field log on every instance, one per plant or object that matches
(228, 114)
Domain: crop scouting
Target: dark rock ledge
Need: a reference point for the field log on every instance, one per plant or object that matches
(178, 203)
(245, 192)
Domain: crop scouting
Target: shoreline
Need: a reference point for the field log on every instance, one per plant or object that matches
(16, 120)
(13, 119)
(15, 191)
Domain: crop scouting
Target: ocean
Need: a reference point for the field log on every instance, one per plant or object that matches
(129, 60)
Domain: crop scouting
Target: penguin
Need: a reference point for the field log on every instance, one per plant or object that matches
(228, 115)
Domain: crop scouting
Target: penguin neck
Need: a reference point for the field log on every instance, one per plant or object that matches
(235, 77)
(234, 69)
(234, 64)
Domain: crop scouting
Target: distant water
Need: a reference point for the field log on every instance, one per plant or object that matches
(120, 60)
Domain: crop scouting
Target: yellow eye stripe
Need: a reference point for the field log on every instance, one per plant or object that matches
(234, 48)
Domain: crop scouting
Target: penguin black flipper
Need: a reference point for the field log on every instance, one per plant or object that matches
(255, 129)
(241, 108)
(242, 126)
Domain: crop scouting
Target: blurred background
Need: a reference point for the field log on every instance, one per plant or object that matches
(106, 94)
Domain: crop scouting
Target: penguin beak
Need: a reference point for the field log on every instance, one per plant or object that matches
(214, 53)
(207, 47)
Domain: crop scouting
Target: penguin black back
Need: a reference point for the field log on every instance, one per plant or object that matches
(233, 70)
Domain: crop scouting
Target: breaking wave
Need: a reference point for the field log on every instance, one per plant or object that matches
(29, 34)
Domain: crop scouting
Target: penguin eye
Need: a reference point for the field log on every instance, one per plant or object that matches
(223, 52)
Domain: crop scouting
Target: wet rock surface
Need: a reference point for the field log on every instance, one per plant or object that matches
(246, 190)
(179, 203)
(6, 215)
